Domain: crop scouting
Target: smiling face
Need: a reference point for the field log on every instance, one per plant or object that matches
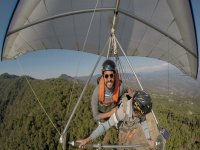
(109, 78)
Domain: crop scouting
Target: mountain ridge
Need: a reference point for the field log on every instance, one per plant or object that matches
(24, 125)
(159, 82)
(172, 84)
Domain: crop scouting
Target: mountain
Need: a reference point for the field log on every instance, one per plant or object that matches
(8, 76)
(85, 78)
(172, 83)
(163, 82)
(69, 78)
(25, 125)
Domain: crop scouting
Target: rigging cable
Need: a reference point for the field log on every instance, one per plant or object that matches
(20, 66)
(81, 95)
(79, 62)
(90, 25)
(129, 63)
(136, 78)
(123, 78)
(127, 70)
(168, 67)
(23, 72)
(83, 91)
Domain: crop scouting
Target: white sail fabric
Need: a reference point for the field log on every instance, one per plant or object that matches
(173, 17)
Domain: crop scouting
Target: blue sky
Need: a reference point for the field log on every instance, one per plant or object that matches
(47, 64)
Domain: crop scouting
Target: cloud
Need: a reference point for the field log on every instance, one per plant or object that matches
(152, 68)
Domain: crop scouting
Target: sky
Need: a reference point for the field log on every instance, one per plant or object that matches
(47, 64)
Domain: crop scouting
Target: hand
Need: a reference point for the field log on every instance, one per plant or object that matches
(108, 114)
(113, 110)
(83, 142)
(151, 143)
(131, 92)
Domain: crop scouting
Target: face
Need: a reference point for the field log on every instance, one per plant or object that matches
(109, 78)
(137, 114)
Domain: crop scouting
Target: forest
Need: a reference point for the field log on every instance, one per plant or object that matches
(24, 125)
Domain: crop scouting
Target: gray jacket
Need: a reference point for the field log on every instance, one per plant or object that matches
(118, 116)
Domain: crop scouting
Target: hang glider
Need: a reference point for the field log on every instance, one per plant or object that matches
(161, 29)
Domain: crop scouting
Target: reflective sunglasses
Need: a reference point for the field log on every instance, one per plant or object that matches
(109, 75)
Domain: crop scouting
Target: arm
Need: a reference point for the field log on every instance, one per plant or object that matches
(100, 130)
(108, 114)
(113, 120)
(145, 129)
(147, 132)
(103, 127)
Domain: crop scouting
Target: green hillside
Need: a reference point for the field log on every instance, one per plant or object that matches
(24, 125)
(181, 116)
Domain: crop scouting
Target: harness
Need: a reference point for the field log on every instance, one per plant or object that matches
(103, 108)
(129, 123)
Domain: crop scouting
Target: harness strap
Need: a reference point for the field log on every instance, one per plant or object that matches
(129, 122)
(115, 118)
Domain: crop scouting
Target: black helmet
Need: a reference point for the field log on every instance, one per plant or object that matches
(142, 102)
(108, 65)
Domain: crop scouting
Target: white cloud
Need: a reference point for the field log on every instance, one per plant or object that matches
(153, 68)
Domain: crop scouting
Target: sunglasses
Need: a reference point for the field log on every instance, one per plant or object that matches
(109, 75)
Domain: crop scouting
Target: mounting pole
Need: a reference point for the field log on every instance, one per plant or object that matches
(113, 44)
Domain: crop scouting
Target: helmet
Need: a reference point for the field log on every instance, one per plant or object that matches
(142, 102)
(108, 65)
